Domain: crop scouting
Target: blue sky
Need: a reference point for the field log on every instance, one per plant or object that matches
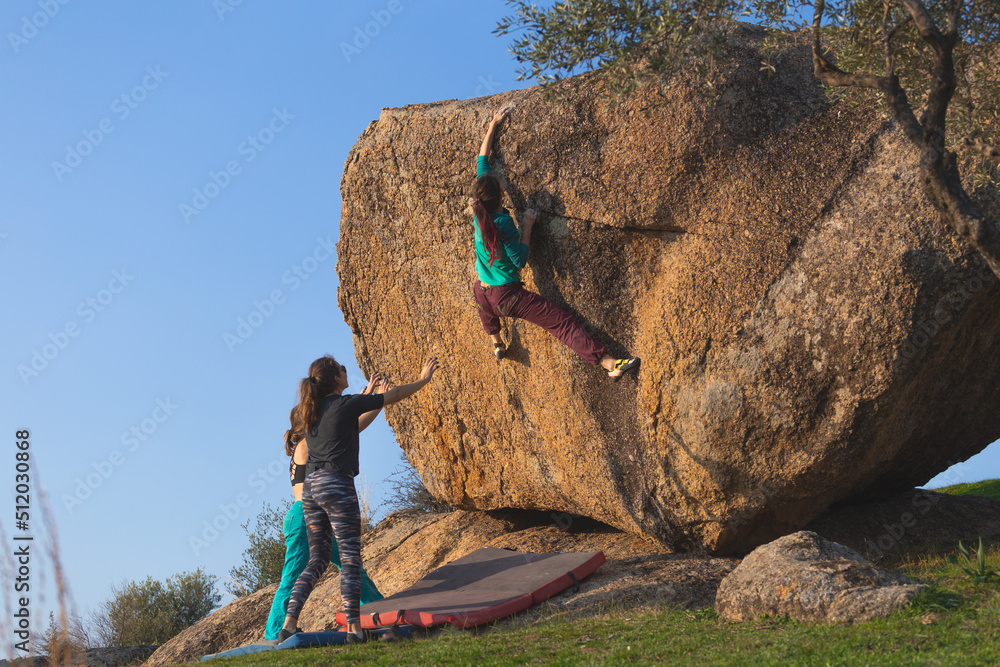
(169, 199)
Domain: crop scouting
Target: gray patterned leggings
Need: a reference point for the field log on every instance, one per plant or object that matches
(330, 508)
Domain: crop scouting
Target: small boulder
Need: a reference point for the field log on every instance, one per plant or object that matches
(808, 578)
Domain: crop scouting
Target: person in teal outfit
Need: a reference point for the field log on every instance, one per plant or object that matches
(501, 251)
(294, 527)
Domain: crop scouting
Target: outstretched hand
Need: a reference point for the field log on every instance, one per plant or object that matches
(487, 147)
(382, 386)
(430, 366)
(373, 383)
(530, 217)
(500, 114)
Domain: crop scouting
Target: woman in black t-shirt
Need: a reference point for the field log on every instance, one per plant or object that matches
(329, 420)
(294, 525)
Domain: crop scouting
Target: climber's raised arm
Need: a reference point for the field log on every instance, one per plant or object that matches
(487, 148)
(377, 385)
(396, 394)
(527, 222)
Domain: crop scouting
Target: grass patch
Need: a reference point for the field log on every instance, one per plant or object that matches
(988, 488)
(955, 622)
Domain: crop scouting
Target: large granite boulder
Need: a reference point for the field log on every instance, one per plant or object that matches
(810, 332)
(808, 578)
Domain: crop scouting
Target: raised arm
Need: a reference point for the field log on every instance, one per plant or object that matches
(527, 222)
(396, 394)
(487, 148)
(377, 385)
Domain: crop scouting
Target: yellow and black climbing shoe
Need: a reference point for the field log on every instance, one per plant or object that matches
(621, 367)
(499, 350)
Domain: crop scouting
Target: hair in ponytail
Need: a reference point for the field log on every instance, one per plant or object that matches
(487, 193)
(320, 382)
(292, 438)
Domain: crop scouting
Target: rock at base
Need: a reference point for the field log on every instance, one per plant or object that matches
(808, 578)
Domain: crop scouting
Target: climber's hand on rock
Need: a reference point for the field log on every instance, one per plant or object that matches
(430, 366)
(500, 114)
(372, 383)
(530, 217)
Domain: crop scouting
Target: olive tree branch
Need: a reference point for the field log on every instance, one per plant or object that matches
(939, 173)
(954, 17)
(887, 36)
(829, 73)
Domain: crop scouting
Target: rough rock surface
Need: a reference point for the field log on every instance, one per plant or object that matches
(809, 331)
(808, 578)
(239, 622)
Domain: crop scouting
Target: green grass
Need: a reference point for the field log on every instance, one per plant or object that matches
(988, 488)
(954, 623)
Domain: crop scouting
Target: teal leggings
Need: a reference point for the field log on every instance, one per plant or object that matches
(296, 557)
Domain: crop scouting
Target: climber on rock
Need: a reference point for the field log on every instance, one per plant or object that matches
(330, 421)
(500, 252)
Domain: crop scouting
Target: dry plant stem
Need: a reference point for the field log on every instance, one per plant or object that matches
(62, 591)
(942, 182)
(7, 569)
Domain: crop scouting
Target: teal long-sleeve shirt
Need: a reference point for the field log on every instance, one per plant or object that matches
(513, 254)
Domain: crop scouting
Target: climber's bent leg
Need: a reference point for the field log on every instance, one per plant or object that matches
(489, 318)
(542, 312)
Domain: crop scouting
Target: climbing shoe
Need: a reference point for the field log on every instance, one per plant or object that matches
(285, 634)
(621, 367)
(358, 637)
(499, 350)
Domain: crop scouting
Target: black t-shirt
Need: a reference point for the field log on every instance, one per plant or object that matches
(333, 439)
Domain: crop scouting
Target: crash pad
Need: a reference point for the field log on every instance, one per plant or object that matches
(308, 639)
(483, 586)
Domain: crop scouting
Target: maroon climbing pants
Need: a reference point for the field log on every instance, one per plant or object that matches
(512, 300)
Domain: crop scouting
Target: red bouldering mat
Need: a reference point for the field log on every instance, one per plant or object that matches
(481, 587)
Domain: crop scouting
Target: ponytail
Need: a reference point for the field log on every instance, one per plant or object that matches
(488, 228)
(292, 437)
(320, 382)
(487, 193)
